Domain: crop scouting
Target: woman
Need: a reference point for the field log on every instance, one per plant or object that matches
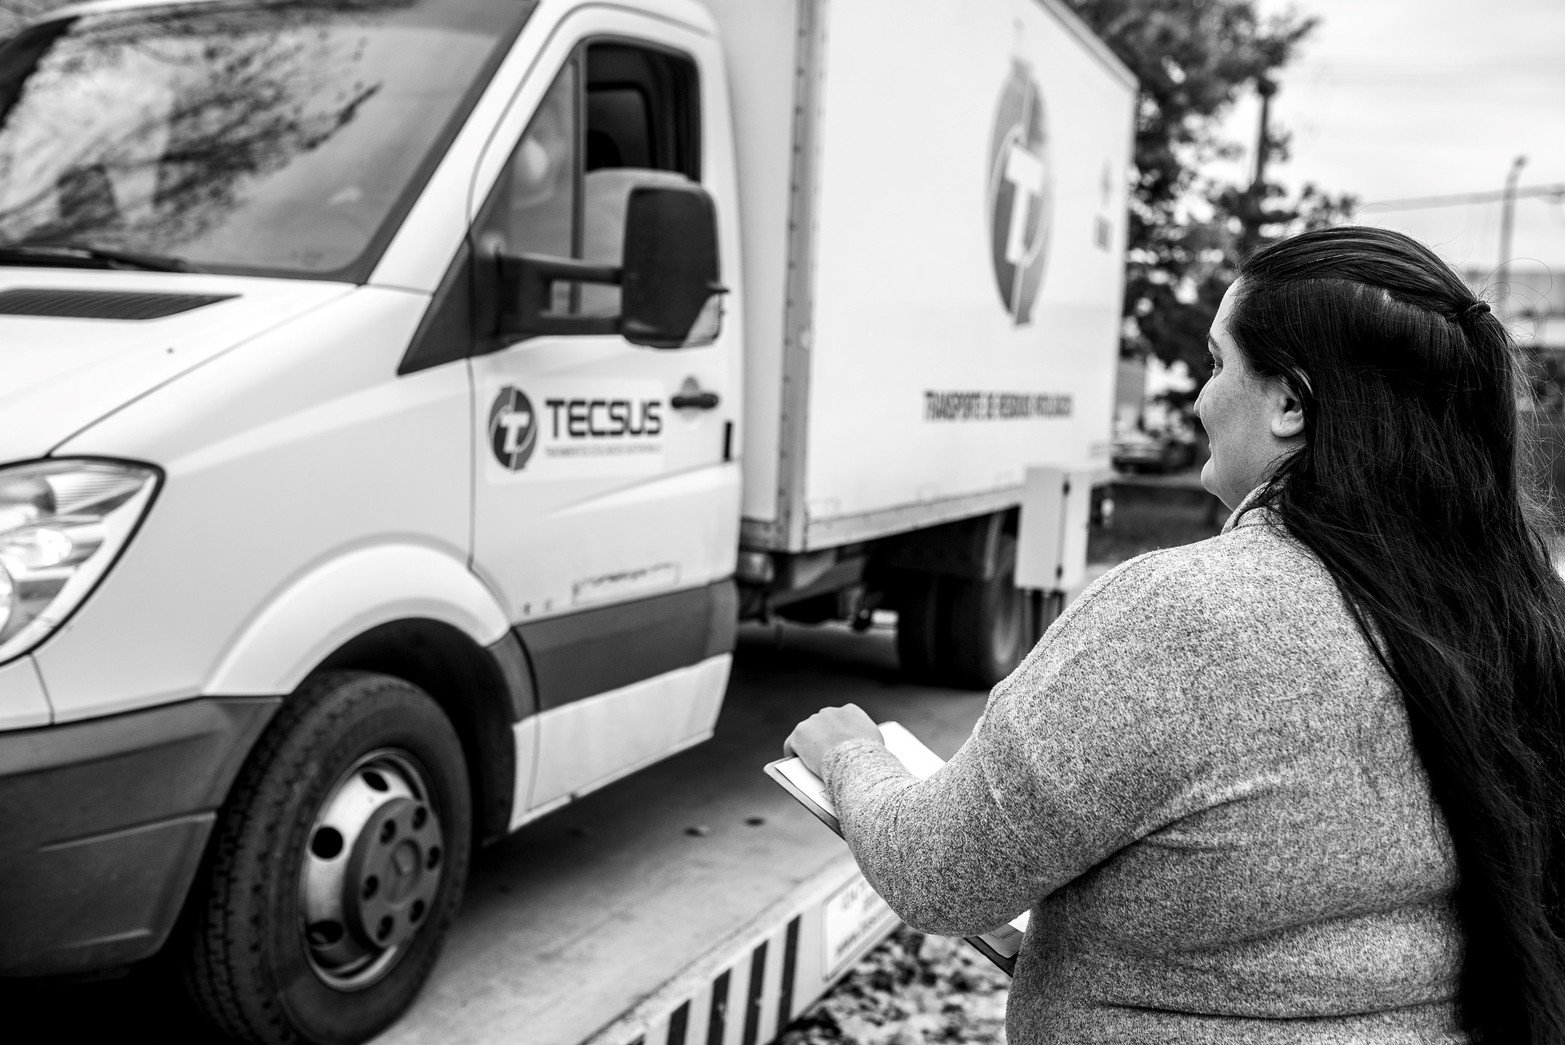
(1301, 782)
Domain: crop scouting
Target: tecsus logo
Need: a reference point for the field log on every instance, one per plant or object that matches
(513, 428)
(1021, 193)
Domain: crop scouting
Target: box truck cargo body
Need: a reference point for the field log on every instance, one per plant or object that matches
(404, 399)
(934, 202)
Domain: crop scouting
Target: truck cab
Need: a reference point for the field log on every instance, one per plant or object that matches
(370, 477)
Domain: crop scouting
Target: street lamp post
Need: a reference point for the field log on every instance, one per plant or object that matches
(1507, 211)
(1263, 144)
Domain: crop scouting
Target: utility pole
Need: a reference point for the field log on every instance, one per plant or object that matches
(1507, 212)
(1256, 194)
(1263, 143)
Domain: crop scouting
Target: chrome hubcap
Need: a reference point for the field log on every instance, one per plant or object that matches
(373, 863)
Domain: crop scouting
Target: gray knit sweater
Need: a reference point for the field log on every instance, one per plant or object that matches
(1201, 783)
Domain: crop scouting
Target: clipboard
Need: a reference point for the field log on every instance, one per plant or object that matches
(1000, 944)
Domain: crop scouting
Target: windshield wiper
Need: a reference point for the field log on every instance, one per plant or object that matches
(91, 257)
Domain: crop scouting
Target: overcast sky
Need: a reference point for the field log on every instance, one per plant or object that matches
(1402, 98)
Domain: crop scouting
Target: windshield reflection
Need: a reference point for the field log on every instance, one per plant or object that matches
(270, 138)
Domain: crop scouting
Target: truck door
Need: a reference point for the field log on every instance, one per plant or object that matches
(606, 497)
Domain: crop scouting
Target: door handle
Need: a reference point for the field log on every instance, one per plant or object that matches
(695, 400)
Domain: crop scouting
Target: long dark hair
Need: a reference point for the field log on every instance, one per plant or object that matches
(1412, 488)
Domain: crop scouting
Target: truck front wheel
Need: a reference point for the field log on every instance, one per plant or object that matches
(336, 866)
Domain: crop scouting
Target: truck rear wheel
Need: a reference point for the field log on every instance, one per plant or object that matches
(965, 632)
(919, 630)
(987, 625)
(336, 866)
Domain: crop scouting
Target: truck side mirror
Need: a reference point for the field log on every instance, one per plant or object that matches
(667, 280)
(670, 271)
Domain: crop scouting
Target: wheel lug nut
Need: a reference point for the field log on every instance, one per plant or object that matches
(420, 817)
(383, 930)
(388, 830)
(371, 886)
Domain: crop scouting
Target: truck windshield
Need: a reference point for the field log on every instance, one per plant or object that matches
(271, 138)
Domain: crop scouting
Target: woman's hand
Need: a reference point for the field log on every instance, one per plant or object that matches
(824, 730)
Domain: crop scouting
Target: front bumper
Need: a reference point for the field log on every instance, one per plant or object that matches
(102, 827)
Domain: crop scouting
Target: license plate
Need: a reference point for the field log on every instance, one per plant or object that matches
(852, 919)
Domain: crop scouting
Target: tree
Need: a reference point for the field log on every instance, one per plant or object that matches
(1194, 59)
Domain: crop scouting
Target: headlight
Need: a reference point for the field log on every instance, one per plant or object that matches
(61, 525)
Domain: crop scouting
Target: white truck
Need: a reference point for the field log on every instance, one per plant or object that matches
(401, 401)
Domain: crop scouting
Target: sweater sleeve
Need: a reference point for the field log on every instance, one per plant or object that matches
(941, 851)
(1088, 746)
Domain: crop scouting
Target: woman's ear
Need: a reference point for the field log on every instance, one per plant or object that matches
(1288, 414)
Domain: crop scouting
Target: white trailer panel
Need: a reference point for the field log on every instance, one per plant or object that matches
(947, 312)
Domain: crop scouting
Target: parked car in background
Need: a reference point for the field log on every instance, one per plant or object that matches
(1138, 451)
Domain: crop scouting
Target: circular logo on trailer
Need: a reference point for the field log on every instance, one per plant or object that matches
(1021, 193)
(513, 428)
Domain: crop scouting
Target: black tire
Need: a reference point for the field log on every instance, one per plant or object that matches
(360, 778)
(988, 625)
(919, 631)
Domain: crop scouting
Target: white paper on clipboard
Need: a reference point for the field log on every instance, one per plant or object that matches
(910, 751)
(1001, 944)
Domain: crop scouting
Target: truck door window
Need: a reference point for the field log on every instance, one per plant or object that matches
(617, 116)
(642, 110)
(535, 208)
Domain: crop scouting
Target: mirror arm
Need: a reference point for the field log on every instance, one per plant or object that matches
(531, 278)
(546, 270)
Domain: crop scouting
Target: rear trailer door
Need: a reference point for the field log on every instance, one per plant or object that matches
(952, 303)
